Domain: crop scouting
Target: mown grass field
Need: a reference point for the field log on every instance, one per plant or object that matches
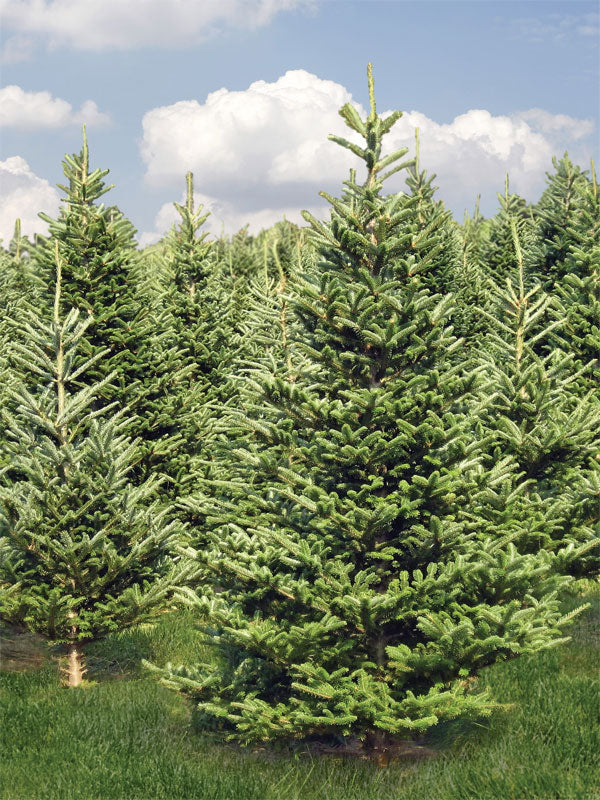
(124, 736)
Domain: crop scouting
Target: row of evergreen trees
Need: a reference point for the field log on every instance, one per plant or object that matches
(365, 451)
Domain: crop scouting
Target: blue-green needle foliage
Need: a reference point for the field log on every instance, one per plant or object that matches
(539, 421)
(83, 552)
(343, 587)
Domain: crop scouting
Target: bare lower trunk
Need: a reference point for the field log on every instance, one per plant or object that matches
(75, 667)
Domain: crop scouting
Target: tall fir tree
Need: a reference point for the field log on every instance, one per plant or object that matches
(96, 246)
(83, 552)
(342, 588)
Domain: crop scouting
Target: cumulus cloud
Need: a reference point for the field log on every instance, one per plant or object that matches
(116, 25)
(22, 195)
(267, 147)
(271, 132)
(35, 110)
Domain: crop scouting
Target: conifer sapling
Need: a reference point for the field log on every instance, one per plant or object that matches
(83, 552)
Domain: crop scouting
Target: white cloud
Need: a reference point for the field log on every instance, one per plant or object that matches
(267, 147)
(557, 124)
(272, 132)
(16, 49)
(471, 154)
(22, 195)
(117, 25)
(35, 110)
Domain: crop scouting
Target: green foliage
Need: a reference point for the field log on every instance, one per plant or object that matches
(498, 255)
(83, 552)
(435, 237)
(380, 429)
(579, 289)
(342, 583)
(471, 285)
(557, 213)
(539, 424)
(100, 270)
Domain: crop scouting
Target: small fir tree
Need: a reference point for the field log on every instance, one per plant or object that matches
(579, 288)
(471, 286)
(17, 288)
(342, 587)
(435, 237)
(83, 552)
(538, 419)
(556, 212)
(498, 253)
(197, 300)
(102, 279)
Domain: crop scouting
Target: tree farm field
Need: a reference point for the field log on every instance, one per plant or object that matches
(307, 514)
(121, 735)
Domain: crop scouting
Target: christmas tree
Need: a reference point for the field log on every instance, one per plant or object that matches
(471, 284)
(83, 552)
(435, 236)
(343, 590)
(556, 212)
(538, 419)
(17, 288)
(101, 278)
(498, 253)
(579, 288)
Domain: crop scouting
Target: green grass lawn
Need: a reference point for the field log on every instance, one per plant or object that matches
(124, 736)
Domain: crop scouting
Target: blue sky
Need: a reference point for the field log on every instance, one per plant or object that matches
(244, 93)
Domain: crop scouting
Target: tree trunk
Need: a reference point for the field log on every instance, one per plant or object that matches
(75, 668)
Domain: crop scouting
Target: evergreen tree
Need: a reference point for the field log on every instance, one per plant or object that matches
(470, 285)
(556, 213)
(579, 288)
(102, 278)
(498, 257)
(537, 418)
(17, 287)
(435, 236)
(342, 587)
(197, 302)
(96, 246)
(83, 552)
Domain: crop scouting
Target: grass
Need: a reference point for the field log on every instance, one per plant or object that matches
(124, 736)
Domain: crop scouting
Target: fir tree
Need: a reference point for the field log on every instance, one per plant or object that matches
(196, 302)
(435, 236)
(556, 213)
(17, 288)
(96, 246)
(102, 279)
(470, 285)
(83, 552)
(539, 421)
(579, 289)
(498, 256)
(342, 587)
